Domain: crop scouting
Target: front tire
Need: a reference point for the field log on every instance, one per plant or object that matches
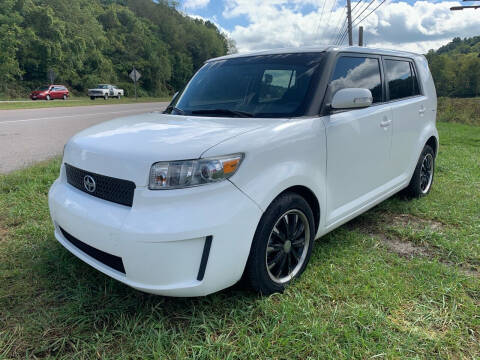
(92, 98)
(422, 179)
(119, 96)
(48, 98)
(282, 244)
(105, 97)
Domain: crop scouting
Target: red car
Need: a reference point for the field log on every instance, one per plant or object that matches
(50, 92)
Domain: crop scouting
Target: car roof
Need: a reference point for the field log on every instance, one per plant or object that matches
(320, 49)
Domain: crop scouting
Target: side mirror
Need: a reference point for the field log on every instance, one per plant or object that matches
(353, 98)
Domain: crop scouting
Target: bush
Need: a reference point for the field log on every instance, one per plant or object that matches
(459, 110)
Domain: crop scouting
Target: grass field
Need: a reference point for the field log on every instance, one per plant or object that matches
(73, 101)
(401, 281)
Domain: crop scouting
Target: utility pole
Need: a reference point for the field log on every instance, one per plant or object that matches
(454, 8)
(360, 36)
(349, 20)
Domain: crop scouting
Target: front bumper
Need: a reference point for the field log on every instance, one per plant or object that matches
(162, 238)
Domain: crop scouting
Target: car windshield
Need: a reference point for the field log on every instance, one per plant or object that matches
(254, 86)
(43, 88)
(102, 87)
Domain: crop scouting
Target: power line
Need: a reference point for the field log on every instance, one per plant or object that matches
(331, 13)
(343, 37)
(365, 8)
(338, 27)
(371, 12)
(366, 16)
(343, 27)
(342, 31)
(321, 17)
(358, 3)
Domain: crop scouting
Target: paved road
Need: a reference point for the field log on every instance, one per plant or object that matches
(31, 135)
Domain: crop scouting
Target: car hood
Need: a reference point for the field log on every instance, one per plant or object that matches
(127, 147)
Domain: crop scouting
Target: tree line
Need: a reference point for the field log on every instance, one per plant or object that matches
(85, 42)
(455, 68)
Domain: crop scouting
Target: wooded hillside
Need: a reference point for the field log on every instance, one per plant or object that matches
(99, 41)
(456, 68)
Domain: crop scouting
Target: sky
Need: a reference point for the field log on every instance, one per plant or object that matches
(404, 25)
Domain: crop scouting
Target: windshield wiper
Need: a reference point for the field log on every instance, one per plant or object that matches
(222, 112)
(169, 110)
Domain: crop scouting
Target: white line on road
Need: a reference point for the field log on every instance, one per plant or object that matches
(67, 116)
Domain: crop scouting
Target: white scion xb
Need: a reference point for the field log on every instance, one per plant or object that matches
(255, 158)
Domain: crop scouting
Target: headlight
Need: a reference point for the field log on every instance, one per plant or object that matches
(187, 173)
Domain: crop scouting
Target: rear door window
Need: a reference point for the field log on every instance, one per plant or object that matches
(401, 79)
(357, 72)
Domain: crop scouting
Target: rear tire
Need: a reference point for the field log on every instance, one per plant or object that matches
(92, 97)
(119, 96)
(48, 98)
(282, 244)
(422, 179)
(105, 97)
(64, 97)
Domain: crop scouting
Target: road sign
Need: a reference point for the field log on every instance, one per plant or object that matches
(135, 75)
(51, 76)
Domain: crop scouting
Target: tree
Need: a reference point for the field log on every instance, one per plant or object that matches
(91, 41)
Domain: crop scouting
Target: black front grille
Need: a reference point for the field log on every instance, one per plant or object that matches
(107, 188)
(110, 260)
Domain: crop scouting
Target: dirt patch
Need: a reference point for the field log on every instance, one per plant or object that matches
(377, 227)
(409, 250)
(469, 271)
(407, 220)
(406, 248)
(3, 233)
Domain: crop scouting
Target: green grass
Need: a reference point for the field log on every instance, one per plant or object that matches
(359, 298)
(73, 101)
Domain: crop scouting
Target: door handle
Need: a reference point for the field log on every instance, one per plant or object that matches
(385, 123)
(422, 110)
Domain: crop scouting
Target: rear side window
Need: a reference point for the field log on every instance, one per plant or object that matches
(402, 82)
(357, 72)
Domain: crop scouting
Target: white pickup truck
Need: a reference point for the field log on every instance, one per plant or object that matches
(105, 91)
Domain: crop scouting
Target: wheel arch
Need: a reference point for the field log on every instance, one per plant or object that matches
(433, 143)
(309, 196)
